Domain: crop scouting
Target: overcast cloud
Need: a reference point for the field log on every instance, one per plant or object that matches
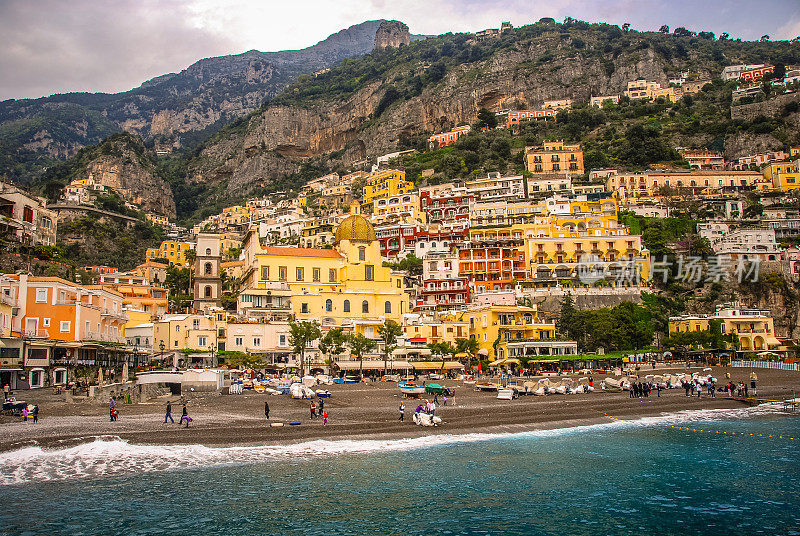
(52, 46)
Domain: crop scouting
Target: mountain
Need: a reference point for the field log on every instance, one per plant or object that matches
(393, 98)
(170, 111)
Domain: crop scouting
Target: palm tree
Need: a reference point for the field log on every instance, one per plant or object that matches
(301, 334)
(467, 346)
(359, 345)
(389, 332)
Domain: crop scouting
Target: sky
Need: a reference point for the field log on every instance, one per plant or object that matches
(57, 46)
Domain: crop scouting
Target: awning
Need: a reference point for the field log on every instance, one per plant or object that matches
(407, 351)
(10, 369)
(372, 364)
(507, 361)
(437, 365)
(483, 351)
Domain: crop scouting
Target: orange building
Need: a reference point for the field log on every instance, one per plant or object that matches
(554, 158)
(492, 260)
(447, 138)
(515, 116)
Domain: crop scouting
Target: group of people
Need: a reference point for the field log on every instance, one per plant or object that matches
(33, 414)
(319, 411)
(184, 415)
(643, 389)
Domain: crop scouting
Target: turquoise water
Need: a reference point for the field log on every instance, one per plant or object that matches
(621, 478)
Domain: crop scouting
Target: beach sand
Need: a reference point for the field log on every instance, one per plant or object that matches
(355, 411)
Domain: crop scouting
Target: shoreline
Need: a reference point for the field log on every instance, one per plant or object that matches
(357, 412)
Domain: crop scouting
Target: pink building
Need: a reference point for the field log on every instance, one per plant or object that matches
(515, 116)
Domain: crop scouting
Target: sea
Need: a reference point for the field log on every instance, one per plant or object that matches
(701, 472)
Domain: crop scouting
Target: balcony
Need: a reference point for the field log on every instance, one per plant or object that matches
(37, 333)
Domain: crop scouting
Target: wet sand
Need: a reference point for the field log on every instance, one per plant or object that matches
(355, 411)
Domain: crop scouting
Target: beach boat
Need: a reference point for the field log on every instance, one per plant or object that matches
(424, 419)
(309, 381)
(391, 378)
(485, 386)
(259, 388)
(436, 389)
(338, 380)
(271, 391)
(350, 379)
(283, 389)
(324, 379)
(411, 389)
(507, 394)
(298, 390)
(612, 384)
(323, 393)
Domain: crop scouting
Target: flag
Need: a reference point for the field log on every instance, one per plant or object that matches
(479, 367)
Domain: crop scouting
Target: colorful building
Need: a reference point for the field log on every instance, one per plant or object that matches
(448, 138)
(755, 329)
(173, 251)
(554, 158)
(515, 116)
(385, 183)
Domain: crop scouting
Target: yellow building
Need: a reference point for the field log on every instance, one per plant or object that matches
(754, 328)
(395, 208)
(554, 158)
(174, 252)
(782, 176)
(642, 89)
(149, 299)
(512, 331)
(436, 330)
(385, 183)
(342, 287)
(700, 182)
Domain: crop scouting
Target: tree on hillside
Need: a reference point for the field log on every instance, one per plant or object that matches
(486, 118)
(664, 29)
(360, 345)
(626, 27)
(389, 331)
(566, 321)
(765, 37)
(301, 335)
(724, 36)
(682, 32)
(242, 359)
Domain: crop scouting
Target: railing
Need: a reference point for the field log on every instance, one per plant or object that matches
(37, 333)
(767, 365)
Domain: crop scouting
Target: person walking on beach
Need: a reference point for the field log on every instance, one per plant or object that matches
(325, 418)
(185, 416)
(658, 389)
(687, 387)
(321, 407)
(168, 414)
(753, 380)
(266, 409)
(36, 413)
(111, 405)
(313, 409)
(402, 411)
(25, 414)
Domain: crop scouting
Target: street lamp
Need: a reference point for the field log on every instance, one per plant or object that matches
(161, 347)
(135, 356)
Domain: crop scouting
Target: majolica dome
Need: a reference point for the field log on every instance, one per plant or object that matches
(355, 228)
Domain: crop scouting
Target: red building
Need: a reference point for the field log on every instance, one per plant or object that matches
(756, 75)
(446, 207)
(447, 138)
(493, 261)
(515, 116)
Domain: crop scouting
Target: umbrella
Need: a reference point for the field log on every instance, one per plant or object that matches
(100, 376)
(124, 372)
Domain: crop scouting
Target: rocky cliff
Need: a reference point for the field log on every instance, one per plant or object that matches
(392, 34)
(176, 109)
(436, 84)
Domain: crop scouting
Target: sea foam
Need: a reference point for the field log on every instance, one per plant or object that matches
(110, 456)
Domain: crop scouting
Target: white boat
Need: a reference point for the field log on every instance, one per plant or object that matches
(485, 386)
(507, 394)
(298, 390)
(411, 389)
(424, 419)
(324, 379)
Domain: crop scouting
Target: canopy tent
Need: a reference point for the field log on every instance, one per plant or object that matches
(437, 365)
(371, 364)
(483, 351)
(507, 361)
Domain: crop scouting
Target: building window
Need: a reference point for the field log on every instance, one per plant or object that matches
(282, 271)
(46, 322)
(196, 323)
(65, 326)
(41, 295)
(208, 268)
(387, 307)
(256, 342)
(299, 274)
(315, 275)
(365, 306)
(346, 306)
(202, 341)
(239, 341)
(332, 275)
(207, 292)
(362, 254)
(328, 306)
(208, 252)
(303, 307)
(368, 272)
(281, 340)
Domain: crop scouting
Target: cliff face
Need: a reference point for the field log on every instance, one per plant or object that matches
(134, 181)
(175, 109)
(392, 34)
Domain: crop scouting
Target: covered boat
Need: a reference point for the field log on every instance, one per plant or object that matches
(411, 389)
(436, 389)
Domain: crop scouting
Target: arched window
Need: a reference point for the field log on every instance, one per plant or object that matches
(207, 291)
(328, 306)
(365, 306)
(387, 307)
(208, 268)
(346, 306)
(208, 251)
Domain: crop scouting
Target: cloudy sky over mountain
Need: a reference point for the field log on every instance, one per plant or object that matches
(81, 45)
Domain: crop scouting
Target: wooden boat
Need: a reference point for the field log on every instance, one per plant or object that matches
(411, 389)
(507, 394)
(485, 386)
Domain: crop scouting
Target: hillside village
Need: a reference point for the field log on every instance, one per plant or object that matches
(380, 269)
